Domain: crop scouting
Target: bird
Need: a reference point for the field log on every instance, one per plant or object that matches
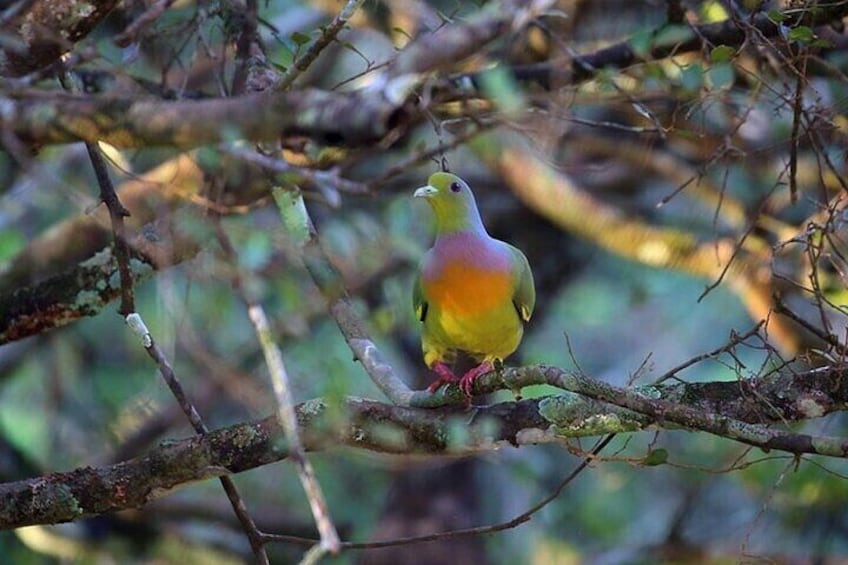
(473, 293)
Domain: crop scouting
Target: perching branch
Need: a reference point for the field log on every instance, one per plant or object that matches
(783, 397)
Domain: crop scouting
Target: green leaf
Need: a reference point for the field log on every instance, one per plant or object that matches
(692, 77)
(672, 35)
(721, 75)
(640, 43)
(802, 34)
(300, 38)
(655, 71)
(351, 47)
(293, 214)
(656, 457)
(713, 11)
(722, 54)
(777, 16)
(822, 43)
(499, 85)
(11, 242)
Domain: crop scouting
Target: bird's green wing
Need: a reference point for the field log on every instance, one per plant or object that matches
(525, 290)
(419, 303)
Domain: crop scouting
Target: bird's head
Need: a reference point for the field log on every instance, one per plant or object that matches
(452, 201)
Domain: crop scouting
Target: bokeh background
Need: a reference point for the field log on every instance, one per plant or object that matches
(717, 171)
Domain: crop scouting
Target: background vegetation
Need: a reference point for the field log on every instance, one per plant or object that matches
(673, 169)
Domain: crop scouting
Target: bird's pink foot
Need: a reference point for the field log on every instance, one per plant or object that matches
(446, 376)
(467, 380)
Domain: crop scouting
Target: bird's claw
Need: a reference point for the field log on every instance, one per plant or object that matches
(465, 383)
(467, 380)
(446, 377)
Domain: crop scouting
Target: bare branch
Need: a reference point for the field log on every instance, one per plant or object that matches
(150, 15)
(254, 536)
(285, 408)
(328, 35)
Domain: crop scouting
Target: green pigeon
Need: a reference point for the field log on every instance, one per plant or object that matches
(473, 293)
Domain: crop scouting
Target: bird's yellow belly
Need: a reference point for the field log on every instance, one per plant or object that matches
(488, 335)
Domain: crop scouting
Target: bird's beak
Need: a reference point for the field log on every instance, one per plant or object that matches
(425, 192)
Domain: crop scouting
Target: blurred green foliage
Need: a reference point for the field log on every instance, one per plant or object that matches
(79, 395)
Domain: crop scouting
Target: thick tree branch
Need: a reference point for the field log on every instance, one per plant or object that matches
(358, 118)
(90, 286)
(64, 298)
(46, 30)
(458, 40)
(386, 428)
(355, 119)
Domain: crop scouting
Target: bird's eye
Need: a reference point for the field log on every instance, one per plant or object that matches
(455, 187)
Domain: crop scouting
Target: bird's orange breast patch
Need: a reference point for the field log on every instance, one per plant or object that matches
(466, 290)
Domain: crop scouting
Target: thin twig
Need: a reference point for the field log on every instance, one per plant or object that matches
(477, 531)
(254, 536)
(797, 113)
(131, 32)
(327, 36)
(286, 413)
(780, 307)
(769, 496)
(322, 179)
(735, 339)
(426, 154)
(117, 213)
